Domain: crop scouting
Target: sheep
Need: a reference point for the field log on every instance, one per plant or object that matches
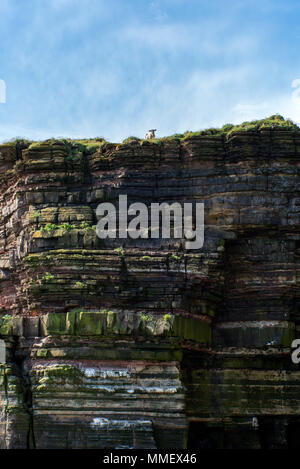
(150, 134)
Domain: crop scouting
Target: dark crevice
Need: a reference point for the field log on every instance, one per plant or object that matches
(25, 385)
(86, 168)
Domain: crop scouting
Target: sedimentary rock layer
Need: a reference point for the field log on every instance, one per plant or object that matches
(141, 343)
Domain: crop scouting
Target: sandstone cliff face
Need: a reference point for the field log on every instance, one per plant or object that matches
(150, 345)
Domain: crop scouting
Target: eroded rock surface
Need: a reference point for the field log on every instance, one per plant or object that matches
(141, 343)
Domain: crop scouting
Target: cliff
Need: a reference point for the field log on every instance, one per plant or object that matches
(141, 343)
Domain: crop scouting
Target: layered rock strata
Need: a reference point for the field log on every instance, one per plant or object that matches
(140, 343)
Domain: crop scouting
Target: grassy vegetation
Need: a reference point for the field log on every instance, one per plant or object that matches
(88, 146)
(34, 260)
(120, 251)
(131, 139)
(145, 318)
(74, 147)
(66, 226)
(50, 227)
(47, 277)
(85, 226)
(14, 142)
(167, 318)
(273, 122)
(36, 213)
(79, 285)
(174, 257)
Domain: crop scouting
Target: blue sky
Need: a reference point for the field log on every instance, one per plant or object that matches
(84, 68)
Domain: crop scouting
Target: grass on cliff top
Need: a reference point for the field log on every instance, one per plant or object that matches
(92, 145)
(273, 122)
(85, 145)
(18, 141)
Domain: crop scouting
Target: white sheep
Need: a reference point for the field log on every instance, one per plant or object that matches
(150, 134)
